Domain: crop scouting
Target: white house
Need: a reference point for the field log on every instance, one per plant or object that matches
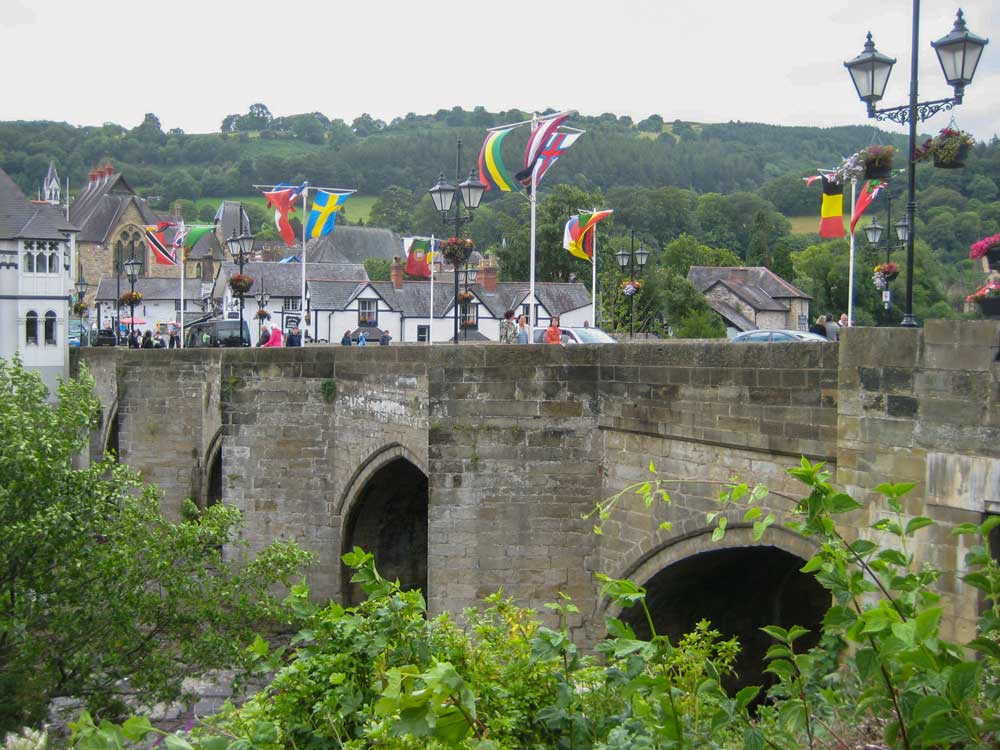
(38, 265)
(160, 304)
(403, 306)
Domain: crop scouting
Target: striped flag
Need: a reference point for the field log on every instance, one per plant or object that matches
(491, 167)
(868, 193)
(578, 236)
(831, 223)
(163, 251)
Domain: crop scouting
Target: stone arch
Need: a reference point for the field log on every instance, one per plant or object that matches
(211, 480)
(738, 584)
(110, 431)
(384, 510)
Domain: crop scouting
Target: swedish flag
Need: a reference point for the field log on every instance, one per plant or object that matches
(323, 213)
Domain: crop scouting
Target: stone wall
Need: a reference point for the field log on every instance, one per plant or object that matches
(517, 443)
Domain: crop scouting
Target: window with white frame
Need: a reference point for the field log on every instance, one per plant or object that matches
(423, 333)
(40, 257)
(469, 314)
(50, 328)
(31, 328)
(291, 303)
(367, 312)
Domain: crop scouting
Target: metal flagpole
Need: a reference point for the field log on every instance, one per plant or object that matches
(305, 217)
(531, 270)
(181, 264)
(430, 330)
(850, 280)
(593, 279)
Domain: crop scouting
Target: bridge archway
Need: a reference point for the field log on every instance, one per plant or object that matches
(110, 436)
(212, 479)
(739, 585)
(385, 512)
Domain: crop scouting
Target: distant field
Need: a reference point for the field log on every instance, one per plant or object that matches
(358, 207)
(810, 224)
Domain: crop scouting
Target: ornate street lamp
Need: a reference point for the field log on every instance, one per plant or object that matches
(631, 260)
(262, 299)
(959, 53)
(132, 267)
(81, 289)
(240, 246)
(443, 194)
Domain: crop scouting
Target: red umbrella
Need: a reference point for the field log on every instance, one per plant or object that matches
(133, 321)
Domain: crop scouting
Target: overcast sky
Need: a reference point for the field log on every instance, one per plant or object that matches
(192, 62)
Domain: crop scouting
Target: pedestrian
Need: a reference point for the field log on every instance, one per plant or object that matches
(134, 339)
(385, 338)
(553, 334)
(844, 322)
(819, 327)
(362, 339)
(158, 341)
(274, 340)
(147, 340)
(832, 328)
(265, 334)
(522, 330)
(294, 337)
(174, 335)
(345, 340)
(508, 329)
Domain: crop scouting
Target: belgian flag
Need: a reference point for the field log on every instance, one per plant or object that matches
(831, 223)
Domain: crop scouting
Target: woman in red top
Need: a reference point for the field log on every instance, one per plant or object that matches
(275, 338)
(553, 335)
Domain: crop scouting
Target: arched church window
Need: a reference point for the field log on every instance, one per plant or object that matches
(29, 257)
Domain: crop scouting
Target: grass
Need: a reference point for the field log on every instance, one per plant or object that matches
(358, 207)
(810, 224)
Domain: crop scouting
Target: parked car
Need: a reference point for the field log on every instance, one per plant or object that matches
(577, 336)
(214, 333)
(764, 335)
(79, 333)
(105, 337)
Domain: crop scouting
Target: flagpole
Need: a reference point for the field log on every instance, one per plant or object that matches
(430, 330)
(593, 278)
(305, 215)
(181, 264)
(850, 280)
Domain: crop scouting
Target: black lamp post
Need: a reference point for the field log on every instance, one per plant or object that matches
(631, 260)
(959, 53)
(132, 267)
(443, 194)
(81, 289)
(240, 247)
(874, 232)
(262, 299)
(118, 291)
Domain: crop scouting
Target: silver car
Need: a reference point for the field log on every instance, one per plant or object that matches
(763, 336)
(578, 336)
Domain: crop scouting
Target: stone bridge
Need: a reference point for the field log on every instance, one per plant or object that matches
(466, 469)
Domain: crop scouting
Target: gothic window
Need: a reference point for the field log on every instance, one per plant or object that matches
(129, 242)
(31, 328)
(29, 257)
(50, 327)
(53, 254)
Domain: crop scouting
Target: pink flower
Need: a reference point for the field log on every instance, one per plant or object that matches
(979, 249)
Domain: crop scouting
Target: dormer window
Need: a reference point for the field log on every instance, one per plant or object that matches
(367, 312)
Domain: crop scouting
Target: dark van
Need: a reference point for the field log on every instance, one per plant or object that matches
(214, 333)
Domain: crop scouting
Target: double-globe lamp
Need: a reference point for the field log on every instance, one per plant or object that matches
(958, 52)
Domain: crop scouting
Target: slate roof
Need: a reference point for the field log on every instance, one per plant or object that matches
(353, 244)
(152, 288)
(413, 300)
(756, 282)
(21, 218)
(285, 279)
(228, 215)
(97, 209)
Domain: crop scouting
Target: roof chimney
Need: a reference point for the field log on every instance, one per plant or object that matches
(91, 176)
(396, 272)
(488, 275)
(110, 169)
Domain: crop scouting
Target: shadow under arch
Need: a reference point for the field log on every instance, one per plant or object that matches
(212, 473)
(384, 511)
(739, 585)
(110, 433)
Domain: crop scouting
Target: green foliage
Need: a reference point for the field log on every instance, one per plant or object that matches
(95, 585)
(378, 268)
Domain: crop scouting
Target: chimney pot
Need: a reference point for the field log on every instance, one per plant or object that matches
(396, 272)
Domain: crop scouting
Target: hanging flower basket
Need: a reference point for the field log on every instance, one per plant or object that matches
(456, 251)
(469, 323)
(884, 273)
(240, 283)
(948, 149)
(988, 247)
(988, 299)
(80, 309)
(877, 161)
(262, 314)
(130, 298)
(465, 297)
(631, 286)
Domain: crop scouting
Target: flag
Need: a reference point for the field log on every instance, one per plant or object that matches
(811, 179)
(578, 236)
(868, 193)
(323, 214)
(491, 167)
(163, 251)
(418, 256)
(539, 137)
(194, 233)
(282, 198)
(546, 157)
(831, 223)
